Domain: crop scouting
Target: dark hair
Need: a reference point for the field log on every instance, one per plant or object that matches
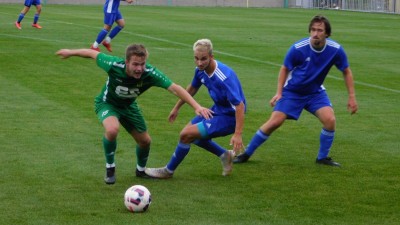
(321, 19)
(137, 50)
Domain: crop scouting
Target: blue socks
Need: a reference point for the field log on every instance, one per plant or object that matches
(180, 153)
(210, 146)
(115, 31)
(21, 17)
(326, 140)
(100, 37)
(35, 18)
(258, 139)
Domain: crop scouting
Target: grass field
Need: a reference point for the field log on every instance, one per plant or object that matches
(51, 154)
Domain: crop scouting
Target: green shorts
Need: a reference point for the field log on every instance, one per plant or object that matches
(131, 117)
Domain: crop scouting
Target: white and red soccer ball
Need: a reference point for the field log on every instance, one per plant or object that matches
(137, 198)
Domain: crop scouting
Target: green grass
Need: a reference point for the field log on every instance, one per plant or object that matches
(52, 158)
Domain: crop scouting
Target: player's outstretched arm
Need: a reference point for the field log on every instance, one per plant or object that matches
(186, 97)
(84, 53)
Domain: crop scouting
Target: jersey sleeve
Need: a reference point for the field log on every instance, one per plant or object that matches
(105, 61)
(159, 79)
(234, 93)
(196, 81)
(341, 60)
(292, 58)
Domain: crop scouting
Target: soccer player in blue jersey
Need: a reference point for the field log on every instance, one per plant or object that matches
(111, 15)
(300, 80)
(116, 104)
(229, 109)
(25, 10)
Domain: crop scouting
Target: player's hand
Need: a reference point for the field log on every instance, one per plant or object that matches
(63, 53)
(237, 143)
(173, 115)
(352, 106)
(204, 112)
(129, 1)
(274, 99)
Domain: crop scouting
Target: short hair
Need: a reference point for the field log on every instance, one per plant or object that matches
(203, 45)
(321, 19)
(136, 50)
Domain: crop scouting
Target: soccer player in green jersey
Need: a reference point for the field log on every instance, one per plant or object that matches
(116, 104)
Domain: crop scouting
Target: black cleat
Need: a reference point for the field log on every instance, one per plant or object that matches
(110, 176)
(141, 174)
(241, 158)
(327, 161)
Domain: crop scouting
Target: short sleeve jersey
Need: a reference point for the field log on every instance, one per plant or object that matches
(223, 87)
(309, 67)
(121, 90)
(111, 6)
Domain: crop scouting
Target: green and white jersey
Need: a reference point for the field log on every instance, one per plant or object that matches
(121, 90)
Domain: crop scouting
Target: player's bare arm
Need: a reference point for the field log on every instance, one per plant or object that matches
(174, 112)
(283, 74)
(186, 97)
(352, 106)
(236, 140)
(84, 53)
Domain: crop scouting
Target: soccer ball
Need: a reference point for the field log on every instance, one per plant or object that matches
(137, 198)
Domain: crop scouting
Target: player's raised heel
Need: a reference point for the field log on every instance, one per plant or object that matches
(107, 45)
(227, 162)
(160, 173)
(18, 25)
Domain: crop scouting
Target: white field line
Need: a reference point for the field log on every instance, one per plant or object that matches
(189, 46)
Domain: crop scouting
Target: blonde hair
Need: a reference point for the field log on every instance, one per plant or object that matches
(203, 45)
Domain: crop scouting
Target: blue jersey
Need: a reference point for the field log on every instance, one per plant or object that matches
(309, 67)
(223, 87)
(111, 6)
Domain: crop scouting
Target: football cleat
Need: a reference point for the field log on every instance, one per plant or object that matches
(160, 173)
(110, 175)
(18, 25)
(327, 161)
(107, 45)
(141, 174)
(241, 158)
(35, 25)
(96, 49)
(227, 161)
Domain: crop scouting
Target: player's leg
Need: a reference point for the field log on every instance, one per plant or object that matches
(23, 12)
(36, 16)
(217, 126)
(111, 128)
(108, 117)
(143, 141)
(262, 135)
(120, 25)
(109, 19)
(133, 121)
(188, 134)
(321, 107)
(327, 117)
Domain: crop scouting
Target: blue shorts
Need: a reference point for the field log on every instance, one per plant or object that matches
(293, 104)
(28, 3)
(218, 126)
(110, 18)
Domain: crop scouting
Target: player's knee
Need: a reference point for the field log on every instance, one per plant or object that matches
(112, 132)
(144, 142)
(185, 137)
